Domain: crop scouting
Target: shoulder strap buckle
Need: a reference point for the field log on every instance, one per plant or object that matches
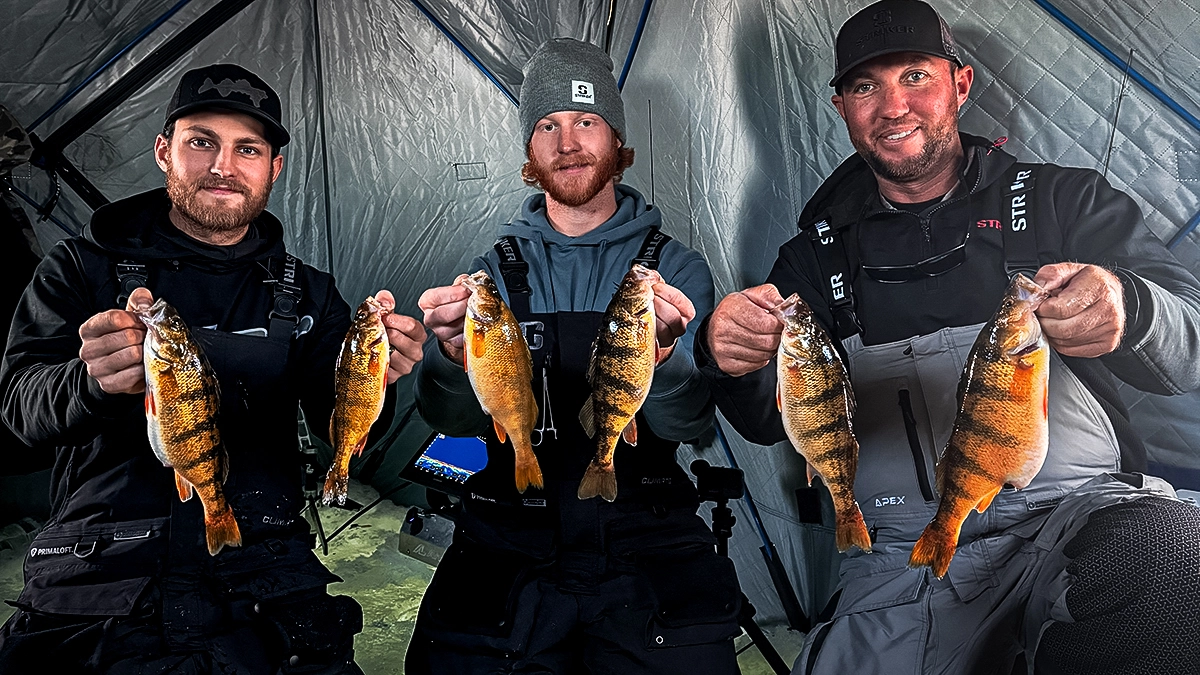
(130, 275)
(288, 294)
(513, 267)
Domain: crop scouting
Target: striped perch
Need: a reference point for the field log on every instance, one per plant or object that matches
(620, 371)
(1001, 430)
(182, 399)
(817, 404)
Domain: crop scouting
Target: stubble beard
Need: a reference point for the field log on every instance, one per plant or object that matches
(939, 138)
(577, 190)
(210, 220)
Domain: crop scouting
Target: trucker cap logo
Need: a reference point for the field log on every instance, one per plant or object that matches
(228, 86)
(582, 92)
(882, 17)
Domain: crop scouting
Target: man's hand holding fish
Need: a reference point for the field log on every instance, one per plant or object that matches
(743, 333)
(405, 336)
(112, 347)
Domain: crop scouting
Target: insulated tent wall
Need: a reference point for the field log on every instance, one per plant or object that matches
(405, 157)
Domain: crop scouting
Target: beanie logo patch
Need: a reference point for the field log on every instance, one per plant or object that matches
(582, 92)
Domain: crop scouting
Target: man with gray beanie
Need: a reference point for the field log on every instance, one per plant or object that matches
(904, 253)
(557, 578)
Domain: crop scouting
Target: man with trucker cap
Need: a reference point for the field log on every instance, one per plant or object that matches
(904, 252)
(120, 579)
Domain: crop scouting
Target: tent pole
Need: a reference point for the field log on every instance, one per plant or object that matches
(467, 52)
(150, 67)
(637, 39)
(608, 28)
(48, 154)
(1140, 79)
(324, 138)
(136, 40)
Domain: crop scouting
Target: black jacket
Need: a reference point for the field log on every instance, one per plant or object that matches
(1075, 215)
(104, 470)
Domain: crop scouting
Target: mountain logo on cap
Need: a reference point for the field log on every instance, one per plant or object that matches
(583, 92)
(228, 86)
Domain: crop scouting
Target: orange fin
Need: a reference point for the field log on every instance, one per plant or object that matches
(630, 433)
(598, 481)
(478, 344)
(587, 418)
(358, 447)
(337, 484)
(221, 531)
(528, 471)
(500, 433)
(779, 396)
(851, 530)
(987, 499)
(183, 486)
(810, 471)
(934, 549)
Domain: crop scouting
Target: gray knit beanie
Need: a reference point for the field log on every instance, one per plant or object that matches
(566, 74)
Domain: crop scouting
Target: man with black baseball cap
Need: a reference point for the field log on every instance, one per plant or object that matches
(904, 253)
(121, 579)
(571, 575)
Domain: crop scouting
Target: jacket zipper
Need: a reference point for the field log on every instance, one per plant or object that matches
(914, 444)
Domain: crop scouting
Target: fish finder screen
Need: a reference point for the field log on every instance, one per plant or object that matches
(453, 458)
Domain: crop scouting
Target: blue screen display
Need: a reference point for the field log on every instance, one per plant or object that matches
(453, 457)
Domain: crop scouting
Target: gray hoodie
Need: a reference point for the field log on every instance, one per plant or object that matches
(580, 274)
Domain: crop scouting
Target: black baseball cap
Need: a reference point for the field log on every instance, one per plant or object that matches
(891, 26)
(230, 87)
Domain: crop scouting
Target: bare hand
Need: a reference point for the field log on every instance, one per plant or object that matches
(112, 346)
(743, 335)
(1085, 314)
(672, 312)
(445, 310)
(405, 337)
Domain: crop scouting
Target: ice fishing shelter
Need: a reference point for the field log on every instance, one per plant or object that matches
(405, 154)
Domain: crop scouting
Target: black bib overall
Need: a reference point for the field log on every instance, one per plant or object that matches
(546, 582)
(173, 607)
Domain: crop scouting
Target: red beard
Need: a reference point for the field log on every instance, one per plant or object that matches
(575, 190)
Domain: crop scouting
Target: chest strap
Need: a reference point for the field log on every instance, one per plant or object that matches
(1020, 244)
(833, 259)
(651, 250)
(834, 263)
(515, 271)
(282, 317)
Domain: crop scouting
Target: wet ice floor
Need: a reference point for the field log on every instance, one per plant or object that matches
(388, 585)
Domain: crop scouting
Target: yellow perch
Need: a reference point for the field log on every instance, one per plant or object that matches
(817, 404)
(359, 381)
(1000, 432)
(182, 399)
(620, 371)
(500, 368)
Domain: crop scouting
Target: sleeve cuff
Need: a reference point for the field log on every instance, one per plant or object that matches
(1137, 304)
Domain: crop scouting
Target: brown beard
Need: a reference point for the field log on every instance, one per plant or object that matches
(579, 190)
(207, 219)
(939, 138)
